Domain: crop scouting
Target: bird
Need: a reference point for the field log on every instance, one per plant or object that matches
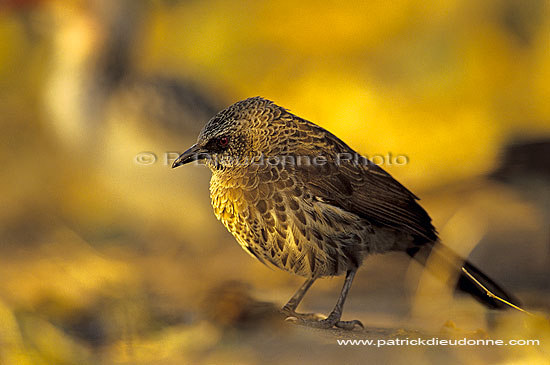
(298, 198)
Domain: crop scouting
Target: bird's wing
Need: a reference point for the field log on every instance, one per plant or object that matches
(365, 189)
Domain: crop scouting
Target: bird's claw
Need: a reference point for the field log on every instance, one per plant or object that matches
(330, 323)
(318, 321)
(349, 325)
(295, 317)
(291, 319)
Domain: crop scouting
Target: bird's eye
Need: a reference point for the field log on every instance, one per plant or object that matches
(223, 141)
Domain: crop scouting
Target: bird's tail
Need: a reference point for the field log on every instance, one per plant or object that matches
(471, 280)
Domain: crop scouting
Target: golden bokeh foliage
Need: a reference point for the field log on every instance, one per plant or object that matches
(107, 255)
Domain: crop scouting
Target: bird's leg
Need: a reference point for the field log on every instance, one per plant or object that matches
(292, 304)
(290, 308)
(334, 317)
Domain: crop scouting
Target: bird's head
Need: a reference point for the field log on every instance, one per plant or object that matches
(236, 135)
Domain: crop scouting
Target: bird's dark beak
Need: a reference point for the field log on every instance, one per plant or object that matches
(194, 153)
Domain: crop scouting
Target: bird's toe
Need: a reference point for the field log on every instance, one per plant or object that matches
(293, 316)
(349, 325)
(314, 320)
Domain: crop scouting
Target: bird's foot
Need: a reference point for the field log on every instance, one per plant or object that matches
(318, 321)
(293, 316)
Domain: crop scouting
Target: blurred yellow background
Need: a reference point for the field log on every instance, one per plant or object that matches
(108, 255)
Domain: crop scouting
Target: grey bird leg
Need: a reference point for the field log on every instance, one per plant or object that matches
(334, 317)
(290, 308)
(292, 304)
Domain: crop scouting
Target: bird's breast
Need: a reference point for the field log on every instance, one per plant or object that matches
(227, 201)
(275, 220)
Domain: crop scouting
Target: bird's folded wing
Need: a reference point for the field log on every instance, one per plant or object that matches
(361, 187)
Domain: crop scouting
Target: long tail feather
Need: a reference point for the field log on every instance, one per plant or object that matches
(474, 282)
(471, 280)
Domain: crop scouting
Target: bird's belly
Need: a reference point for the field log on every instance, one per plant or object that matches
(305, 243)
